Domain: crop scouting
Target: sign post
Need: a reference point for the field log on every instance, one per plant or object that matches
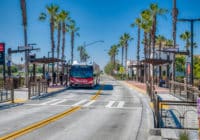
(2, 59)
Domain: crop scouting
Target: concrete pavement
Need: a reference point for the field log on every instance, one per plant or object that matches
(164, 94)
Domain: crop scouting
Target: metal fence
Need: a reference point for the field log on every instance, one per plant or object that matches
(37, 88)
(175, 114)
(6, 91)
(187, 92)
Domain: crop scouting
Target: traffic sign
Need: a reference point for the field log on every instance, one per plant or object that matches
(2, 53)
(121, 70)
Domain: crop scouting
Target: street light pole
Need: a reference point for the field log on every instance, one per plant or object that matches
(191, 81)
(89, 44)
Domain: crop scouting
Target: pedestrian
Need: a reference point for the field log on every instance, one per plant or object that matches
(54, 78)
(47, 77)
(61, 78)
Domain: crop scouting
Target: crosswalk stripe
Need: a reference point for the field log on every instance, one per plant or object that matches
(121, 104)
(59, 102)
(110, 104)
(51, 101)
(89, 103)
(80, 102)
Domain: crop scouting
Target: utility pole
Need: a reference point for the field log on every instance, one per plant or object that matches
(191, 21)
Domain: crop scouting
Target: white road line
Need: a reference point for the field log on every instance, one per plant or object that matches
(121, 104)
(110, 104)
(63, 100)
(80, 102)
(89, 103)
(51, 101)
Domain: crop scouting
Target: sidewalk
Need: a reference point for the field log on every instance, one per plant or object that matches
(163, 93)
(21, 94)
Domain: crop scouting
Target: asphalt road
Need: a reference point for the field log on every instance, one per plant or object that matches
(118, 112)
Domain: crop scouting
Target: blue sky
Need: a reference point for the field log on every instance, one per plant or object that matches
(98, 20)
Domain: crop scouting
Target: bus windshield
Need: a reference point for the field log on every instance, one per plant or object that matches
(81, 71)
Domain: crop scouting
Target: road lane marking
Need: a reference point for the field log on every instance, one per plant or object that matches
(80, 102)
(47, 121)
(39, 124)
(51, 101)
(89, 103)
(109, 105)
(121, 104)
(97, 94)
(63, 100)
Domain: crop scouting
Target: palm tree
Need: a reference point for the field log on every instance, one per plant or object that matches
(174, 20)
(146, 26)
(112, 53)
(186, 37)
(155, 11)
(83, 54)
(58, 27)
(138, 23)
(64, 16)
(73, 31)
(121, 44)
(169, 43)
(159, 41)
(124, 39)
(52, 11)
(24, 21)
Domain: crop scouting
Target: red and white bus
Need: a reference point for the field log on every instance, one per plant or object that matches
(84, 75)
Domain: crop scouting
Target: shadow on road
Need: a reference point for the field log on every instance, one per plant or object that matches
(10, 105)
(97, 87)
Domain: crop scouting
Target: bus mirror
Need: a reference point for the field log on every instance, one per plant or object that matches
(94, 74)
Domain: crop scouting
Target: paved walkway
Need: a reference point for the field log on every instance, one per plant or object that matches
(164, 94)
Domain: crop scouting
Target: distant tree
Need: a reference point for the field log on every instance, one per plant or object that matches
(14, 69)
(180, 63)
(83, 54)
(197, 67)
(73, 29)
(124, 39)
(138, 23)
(113, 52)
(186, 37)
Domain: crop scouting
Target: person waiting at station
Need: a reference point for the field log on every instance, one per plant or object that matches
(47, 77)
(61, 78)
(54, 78)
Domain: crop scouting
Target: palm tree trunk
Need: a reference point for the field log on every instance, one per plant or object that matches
(63, 45)
(24, 20)
(72, 46)
(122, 56)
(160, 68)
(138, 54)
(145, 56)
(52, 41)
(58, 45)
(175, 14)
(126, 51)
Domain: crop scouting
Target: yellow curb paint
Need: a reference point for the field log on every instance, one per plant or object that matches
(160, 105)
(136, 88)
(97, 94)
(151, 105)
(39, 124)
(18, 100)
